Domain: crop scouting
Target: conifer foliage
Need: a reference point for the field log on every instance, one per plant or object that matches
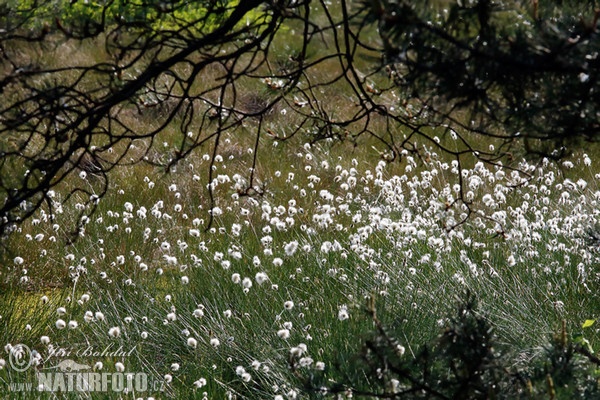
(466, 361)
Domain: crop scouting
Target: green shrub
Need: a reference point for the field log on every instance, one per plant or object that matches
(466, 361)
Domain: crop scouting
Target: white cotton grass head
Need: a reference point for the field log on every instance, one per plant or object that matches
(191, 342)
(114, 332)
(261, 278)
(283, 333)
(343, 313)
(88, 316)
(305, 362)
(200, 383)
(290, 248)
(299, 350)
(247, 283)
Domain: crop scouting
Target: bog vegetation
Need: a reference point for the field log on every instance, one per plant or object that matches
(252, 232)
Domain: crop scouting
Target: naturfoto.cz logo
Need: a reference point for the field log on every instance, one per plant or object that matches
(94, 382)
(71, 376)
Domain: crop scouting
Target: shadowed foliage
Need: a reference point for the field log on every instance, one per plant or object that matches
(466, 361)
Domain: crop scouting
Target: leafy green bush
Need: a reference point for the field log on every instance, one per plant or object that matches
(91, 16)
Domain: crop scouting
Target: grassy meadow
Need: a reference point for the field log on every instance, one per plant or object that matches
(218, 313)
(282, 276)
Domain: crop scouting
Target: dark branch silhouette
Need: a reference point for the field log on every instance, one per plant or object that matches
(414, 77)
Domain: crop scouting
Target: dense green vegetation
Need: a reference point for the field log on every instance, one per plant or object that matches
(94, 15)
(296, 265)
(240, 227)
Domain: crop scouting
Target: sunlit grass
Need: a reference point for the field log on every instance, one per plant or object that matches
(219, 311)
(295, 266)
